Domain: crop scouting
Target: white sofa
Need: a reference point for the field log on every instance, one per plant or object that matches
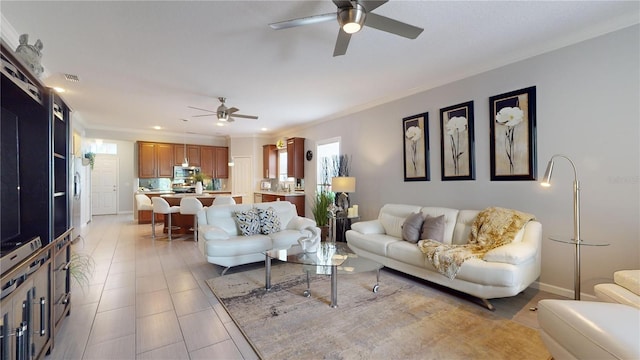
(505, 271)
(222, 242)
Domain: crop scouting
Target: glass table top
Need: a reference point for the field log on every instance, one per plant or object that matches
(328, 255)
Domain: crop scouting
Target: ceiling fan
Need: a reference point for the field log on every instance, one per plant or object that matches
(224, 113)
(352, 16)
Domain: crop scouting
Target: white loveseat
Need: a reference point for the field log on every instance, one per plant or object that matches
(222, 243)
(504, 271)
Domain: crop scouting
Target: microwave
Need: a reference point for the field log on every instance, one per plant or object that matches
(183, 173)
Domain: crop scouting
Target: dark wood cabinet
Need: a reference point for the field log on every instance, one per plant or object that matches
(222, 163)
(298, 201)
(269, 161)
(192, 153)
(146, 160)
(207, 160)
(295, 158)
(36, 156)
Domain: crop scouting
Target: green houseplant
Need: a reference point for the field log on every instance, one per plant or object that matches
(319, 207)
(91, 157)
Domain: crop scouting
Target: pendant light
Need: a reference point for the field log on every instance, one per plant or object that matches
(185, 163)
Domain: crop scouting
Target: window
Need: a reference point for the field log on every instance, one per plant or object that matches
(326, 150)
(100, 147)
(282, 166)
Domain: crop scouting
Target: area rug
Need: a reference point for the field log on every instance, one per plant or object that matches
(403, 320)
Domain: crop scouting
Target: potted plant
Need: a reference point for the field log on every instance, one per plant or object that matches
(320, 209)
(91, 158)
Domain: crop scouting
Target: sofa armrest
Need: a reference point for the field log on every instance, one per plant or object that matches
(513, 253)
(210, 232)
(300, 223)
(368, 227)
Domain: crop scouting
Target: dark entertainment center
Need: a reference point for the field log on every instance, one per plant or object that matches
(35, 212)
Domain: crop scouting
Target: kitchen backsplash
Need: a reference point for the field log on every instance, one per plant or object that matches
(165, 184)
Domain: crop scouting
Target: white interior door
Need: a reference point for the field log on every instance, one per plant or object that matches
(104, 185)
(242, 178)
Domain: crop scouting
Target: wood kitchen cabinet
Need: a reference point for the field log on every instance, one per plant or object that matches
(269, 161)
(192, 152)
(155, 160)
(297, 200)
(295, 158)
(214, 161)
(222, 163)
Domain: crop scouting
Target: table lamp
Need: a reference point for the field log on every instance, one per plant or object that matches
(343, 185)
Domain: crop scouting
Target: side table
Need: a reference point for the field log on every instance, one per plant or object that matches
(343, 223)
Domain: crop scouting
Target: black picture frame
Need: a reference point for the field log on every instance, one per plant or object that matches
(415, 140)
(512, 118)
(457, 142)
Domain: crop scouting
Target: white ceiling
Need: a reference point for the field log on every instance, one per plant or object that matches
(142, 63)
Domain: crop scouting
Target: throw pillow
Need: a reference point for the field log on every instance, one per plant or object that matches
(269, 221)
(433, 228)
(411, 227)
(248, 222)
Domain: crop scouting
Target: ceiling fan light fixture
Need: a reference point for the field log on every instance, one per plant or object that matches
(351, 19)
(223, 116)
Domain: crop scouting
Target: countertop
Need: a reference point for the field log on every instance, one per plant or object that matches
(280, 193)
(163, 192)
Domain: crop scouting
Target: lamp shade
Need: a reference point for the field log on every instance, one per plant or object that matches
(343, 184)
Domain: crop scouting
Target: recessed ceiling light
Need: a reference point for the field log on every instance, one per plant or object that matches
(157, 127)
(220, 123)
(59, 89)
(264, 129)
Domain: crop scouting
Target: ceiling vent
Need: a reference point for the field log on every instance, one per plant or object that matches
(71, 77)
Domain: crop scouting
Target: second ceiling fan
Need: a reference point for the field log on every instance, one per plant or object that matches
(352, 16)
(224, 113)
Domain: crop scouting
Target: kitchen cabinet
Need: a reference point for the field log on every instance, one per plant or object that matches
(155, 160)
(269, 161)
(61, 281)
(192, 152)
(214, 161)
(297, 200)
(295, 158)
(222, 163)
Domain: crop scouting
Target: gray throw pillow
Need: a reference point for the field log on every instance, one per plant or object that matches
(433, 228)
(411, 227)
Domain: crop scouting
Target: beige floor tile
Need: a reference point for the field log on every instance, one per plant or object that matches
(177, 351)
(114, 281)
(240, 341)
(181, 281)
(153, 303)
(189, 301)
(202, 329)
(122, 267)
(117, 298)
(113, 324)
(150, 283)
(223, 350)
(116, 349)
(157, 330)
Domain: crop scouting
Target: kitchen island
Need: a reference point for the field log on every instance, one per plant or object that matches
(144, 217)
(294, 197)
(185, 222)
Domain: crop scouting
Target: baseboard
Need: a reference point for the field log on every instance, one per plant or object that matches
(568, 293)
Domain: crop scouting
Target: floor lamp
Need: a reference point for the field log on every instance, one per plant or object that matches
(576, 241)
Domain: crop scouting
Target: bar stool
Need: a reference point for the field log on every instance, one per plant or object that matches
(161, 206)
(143, 203)
(223, 200)
(191, 206)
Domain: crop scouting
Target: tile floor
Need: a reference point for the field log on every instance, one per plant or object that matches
(147, 299)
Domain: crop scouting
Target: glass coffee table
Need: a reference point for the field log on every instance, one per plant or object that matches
(330, 259)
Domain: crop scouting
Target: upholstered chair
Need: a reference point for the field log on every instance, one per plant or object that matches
(191, 206)
(223, 200)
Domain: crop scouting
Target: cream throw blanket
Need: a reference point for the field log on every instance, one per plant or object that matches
(493, 227)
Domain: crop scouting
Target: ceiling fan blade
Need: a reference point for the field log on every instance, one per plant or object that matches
(204, 115)
(245, 116)
(231, 110)
(343, 4)
(304, 21)
(193, 107)
(392, 26)
(370, 5)
(342, 42)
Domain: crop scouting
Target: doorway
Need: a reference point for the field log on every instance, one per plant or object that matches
(242, 178)
(104, 185)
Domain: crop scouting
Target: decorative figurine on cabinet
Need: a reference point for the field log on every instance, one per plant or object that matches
(30, 54)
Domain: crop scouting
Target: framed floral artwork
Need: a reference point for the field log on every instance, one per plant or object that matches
(513, 135)
(416, 147)
(457, 142)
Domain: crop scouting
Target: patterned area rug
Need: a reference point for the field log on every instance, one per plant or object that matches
(405, 319)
